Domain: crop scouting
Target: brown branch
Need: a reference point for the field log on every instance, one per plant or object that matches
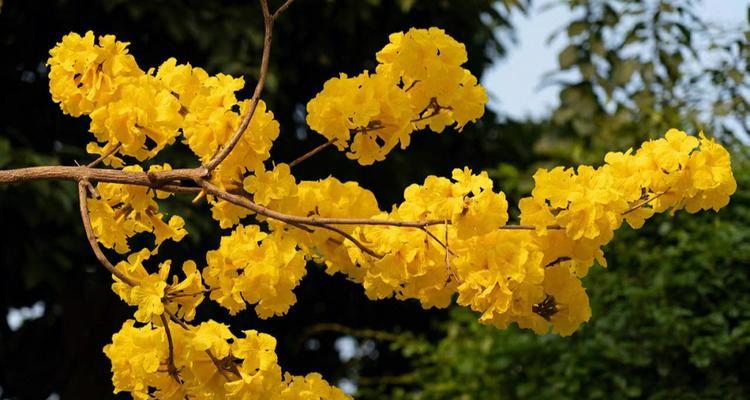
(353, 240)
(281, 9)
(176, 320)
(175, 295)
(440, 242)
(180, 189)
(312, 152)
(93, 190)
(556, 261)
(196, 175)
(83, 199)
(171, 368)
(104, 156)
(268, 20)
(320, 221)
(80, 173)
(641, 204)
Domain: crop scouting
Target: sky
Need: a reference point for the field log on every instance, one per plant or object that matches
(513, 83)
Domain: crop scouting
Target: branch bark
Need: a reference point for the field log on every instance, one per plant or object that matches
(83, 199)
(268, 20)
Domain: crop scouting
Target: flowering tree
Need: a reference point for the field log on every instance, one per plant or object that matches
(448, 237)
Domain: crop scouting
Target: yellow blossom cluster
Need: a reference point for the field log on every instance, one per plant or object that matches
(255, 267)
(212, 114)
(205, 362)
(527, 276)
(153, 295)
(418, 83)
(125, 210)
(139, 113)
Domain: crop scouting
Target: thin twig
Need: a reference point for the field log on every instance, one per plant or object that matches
(556, 261)
(268, 20)
(180, 189)
(281, 9)
(353, 240)
(312, 152)
(432, 235)
(447, 258)
(104, 156)
(83, 199)
(171, 368)
(639, 205)
(176, 320)
(343, 329)
(93, 190)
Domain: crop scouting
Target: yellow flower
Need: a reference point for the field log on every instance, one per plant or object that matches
(84, 76)
(148, 293)
(267, 186)
(212, 336)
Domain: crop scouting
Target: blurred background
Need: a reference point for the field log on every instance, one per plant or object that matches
(569, 81)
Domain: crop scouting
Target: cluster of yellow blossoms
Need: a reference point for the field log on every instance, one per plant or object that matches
(139, 113)
(418, 83)
(207, 362)
(124, 210)
(448, 238)
(527, 276)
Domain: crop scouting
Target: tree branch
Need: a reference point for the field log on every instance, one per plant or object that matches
(83, 199)
(268, 20)
(353, 240)
(106, 154)
(645, 202)
(281, 9)
(171, 368)
(196, 175)
(98, 175)
(312, 152)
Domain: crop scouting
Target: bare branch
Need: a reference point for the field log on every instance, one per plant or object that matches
(435, 238)
(641, 204)
(281, 9)
(106, 154)
(353, 240)
(171, 368)
(268, 34)
(312, 152)
(98, 175)
(556, 261)
(196, 175)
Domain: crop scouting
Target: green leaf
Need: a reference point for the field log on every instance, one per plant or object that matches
(622, 71)
(568, 57)
(577, 27)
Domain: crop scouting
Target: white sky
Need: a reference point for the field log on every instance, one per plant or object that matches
(514, 82)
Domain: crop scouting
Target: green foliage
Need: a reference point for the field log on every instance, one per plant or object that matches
(633, 69)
